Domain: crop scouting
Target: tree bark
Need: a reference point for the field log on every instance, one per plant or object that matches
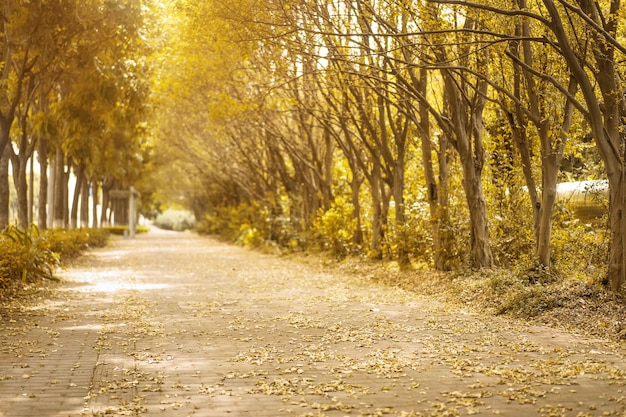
(60, 193)
(80, 177)
(84, 205)
(95, 197)
(377, 212)
(19, 164)
(468, 143)
(42, 206)
(355, 186)
(4, 188)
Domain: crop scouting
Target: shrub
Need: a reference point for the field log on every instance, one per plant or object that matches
(28, 255)
(335, 227)
(68, 244)
(123, 230)
(178, 220)
(250, 236)
(25, 256)
(246, 224)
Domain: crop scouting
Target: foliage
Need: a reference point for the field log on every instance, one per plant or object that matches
(245, 224)
(250, 236)
(68, 244)
(334, 228)
(123, 230)
(25, 256)
(427, 141)
(29, 255)
(178, 220)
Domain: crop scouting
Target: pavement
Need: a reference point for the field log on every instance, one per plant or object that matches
(172, 324)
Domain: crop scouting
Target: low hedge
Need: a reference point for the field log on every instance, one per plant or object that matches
(123, 230)
(29, 255)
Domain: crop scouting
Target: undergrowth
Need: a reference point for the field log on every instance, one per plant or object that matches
(32, 254)
(123, 230)
(571, 303)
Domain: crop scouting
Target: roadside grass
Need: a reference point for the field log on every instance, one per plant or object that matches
(571, 303)
(32, 255)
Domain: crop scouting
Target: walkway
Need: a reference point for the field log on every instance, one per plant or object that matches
(177, 325)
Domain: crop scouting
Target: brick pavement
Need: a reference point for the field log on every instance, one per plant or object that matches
(177, 325)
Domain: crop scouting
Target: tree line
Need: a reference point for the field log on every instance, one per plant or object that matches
(73, 90)
(432, 130)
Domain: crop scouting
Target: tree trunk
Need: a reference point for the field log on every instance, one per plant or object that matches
(617, 224)
(400, 217)
(31, 191)
(469, 148)
(377, 213)
(327, 182)
(42, 212)
(548, 201)
(446, 238)
(19, 164)
(84, 205)
(4, 188)
(481, 254)
(95, 194)
(58, 219)
(66, 197)
(104, 219)
(80, 177)
(355, 185)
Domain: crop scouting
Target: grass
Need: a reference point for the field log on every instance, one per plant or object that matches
(32, 255)
(574, 304)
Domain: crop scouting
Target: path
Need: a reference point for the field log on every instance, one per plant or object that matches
(178, 325)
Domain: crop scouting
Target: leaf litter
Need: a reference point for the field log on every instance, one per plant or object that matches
(321, 344)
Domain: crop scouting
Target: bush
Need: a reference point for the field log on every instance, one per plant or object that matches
(250, 236)
(335, 227)
(29, 255)
(25, 256)
(245, 224)
(123, 230)
(178, 220)
(68, 244)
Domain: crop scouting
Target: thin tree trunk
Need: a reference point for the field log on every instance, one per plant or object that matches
(94, 215)
(66, 197)
(4, 188)
(59, 194)
(80, 177)
(446, 237)
(84, 205)
(31, 192)
(617, 224)
(21, 187)
(377, 213)
(104, 219)
(355, 185)
(400, 217)
(42, 212)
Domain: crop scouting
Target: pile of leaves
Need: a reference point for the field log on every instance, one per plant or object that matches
(31, 255)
